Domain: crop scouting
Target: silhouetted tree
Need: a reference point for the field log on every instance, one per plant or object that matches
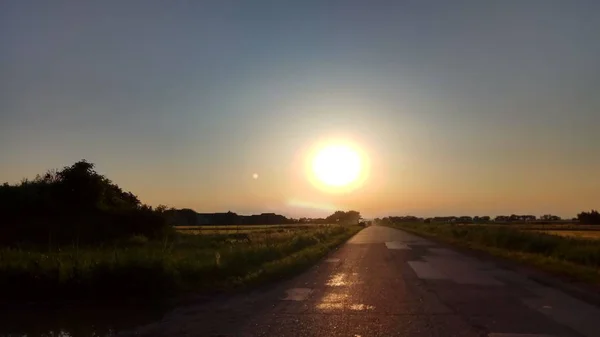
(73, 204)
(444, 219)
(399, 219)
(353, 217)
(350, 217)
(590, 218)
(465, 219)
(550, 217)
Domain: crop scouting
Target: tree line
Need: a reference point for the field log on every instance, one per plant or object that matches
(74, 205)
(77, 205)
(592, 217)
(189, 217)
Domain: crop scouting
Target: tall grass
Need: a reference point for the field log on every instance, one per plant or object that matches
(139, 267)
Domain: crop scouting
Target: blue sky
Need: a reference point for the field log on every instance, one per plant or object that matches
(469, 107)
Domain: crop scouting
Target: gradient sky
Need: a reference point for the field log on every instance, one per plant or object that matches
(463, 107)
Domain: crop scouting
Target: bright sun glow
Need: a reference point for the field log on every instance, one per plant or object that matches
(337, 165)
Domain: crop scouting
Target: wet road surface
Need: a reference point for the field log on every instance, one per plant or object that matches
(386, 282)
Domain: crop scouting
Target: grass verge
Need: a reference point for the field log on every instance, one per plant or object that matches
(574, 259)
(187, 263)
(582, 234)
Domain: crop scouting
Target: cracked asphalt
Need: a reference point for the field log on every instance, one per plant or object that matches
(386, 282)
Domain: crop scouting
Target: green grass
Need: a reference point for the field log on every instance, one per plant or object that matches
(186, 263)
(575, 258)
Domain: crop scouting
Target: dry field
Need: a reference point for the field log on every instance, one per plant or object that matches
(233, 229)
(579, 234)
(572, 230)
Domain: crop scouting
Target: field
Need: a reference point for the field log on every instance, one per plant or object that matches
(215, 260)
(558, 248)
(244, 228)
(545, 226)
(590, 232)
(581, 234)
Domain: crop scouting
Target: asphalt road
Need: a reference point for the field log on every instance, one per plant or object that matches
(386, 282)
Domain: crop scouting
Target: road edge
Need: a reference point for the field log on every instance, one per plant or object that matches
(582, 291)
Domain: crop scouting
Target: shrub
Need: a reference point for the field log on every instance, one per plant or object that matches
(138, 240)
(591, 218)
(75, 205)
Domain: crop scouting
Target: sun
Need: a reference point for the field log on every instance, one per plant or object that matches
(337, 165)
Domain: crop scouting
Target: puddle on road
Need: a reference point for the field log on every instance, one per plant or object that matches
(76, 320)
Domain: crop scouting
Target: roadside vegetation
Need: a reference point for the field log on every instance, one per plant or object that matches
(582, 234)
(573, 257)
(183, 263)
(74, 234)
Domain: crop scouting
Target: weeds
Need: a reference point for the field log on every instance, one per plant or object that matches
(139, 267)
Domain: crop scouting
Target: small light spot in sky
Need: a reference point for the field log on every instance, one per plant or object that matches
(255, 176)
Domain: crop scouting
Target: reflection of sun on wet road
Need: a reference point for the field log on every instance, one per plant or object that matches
(338, 297)
(385, 282)
(337, 280)
(360, 307)
(332, 301)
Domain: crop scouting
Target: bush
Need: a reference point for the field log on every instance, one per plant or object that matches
(590, 218)
(75, 205)
(137, 240)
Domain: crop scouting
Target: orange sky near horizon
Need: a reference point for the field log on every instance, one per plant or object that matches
(492, 110)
